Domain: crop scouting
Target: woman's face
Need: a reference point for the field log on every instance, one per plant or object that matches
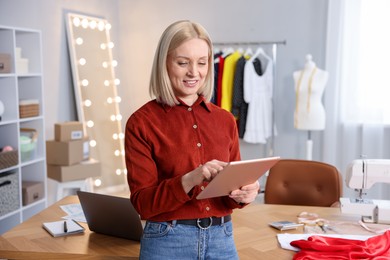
(187, 67)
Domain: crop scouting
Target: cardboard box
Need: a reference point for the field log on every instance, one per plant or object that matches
(67, 153)
(32, 191)
(68, 131)
(83, 170)
(5, 63)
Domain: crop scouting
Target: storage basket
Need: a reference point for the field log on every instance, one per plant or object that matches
(9, 192)
(28, 144)
(8, 159)
(28, 108)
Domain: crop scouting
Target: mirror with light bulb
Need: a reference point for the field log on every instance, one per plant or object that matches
(97, 100)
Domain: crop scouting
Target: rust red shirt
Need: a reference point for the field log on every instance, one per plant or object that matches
(163, 143)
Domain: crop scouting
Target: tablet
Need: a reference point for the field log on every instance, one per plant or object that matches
(235, 175)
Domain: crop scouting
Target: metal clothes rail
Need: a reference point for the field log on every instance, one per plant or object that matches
(274, 54)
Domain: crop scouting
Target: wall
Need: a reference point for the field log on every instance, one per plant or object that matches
(137, 26)
(302, 23)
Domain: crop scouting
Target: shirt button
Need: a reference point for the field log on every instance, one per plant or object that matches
(189, 109)
(195, 126)
(199, 144)
(207, 208)
(202, 187)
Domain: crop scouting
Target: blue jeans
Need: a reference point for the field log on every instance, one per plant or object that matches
(162, 240)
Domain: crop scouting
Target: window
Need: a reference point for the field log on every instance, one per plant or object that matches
(366, 62)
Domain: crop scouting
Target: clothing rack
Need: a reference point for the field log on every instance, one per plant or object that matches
(274, 53)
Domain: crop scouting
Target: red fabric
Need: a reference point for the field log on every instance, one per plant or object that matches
(162, 144)
(321, 247)
(219, 81)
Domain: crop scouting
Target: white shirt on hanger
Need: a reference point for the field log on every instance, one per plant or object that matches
(258, 91)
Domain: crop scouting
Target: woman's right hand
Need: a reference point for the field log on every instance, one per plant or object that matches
(205, 172)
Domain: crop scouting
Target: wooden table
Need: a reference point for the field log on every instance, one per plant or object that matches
(253, 237)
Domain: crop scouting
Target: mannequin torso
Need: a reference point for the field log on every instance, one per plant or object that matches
(309, 87)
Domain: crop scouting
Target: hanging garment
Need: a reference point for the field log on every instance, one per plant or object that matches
(216, 71)
(219, 80)
(229, 69)
(240, 107)
(258, 94)
(321, 247)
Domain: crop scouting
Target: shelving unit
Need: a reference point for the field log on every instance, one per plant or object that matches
(15, 86)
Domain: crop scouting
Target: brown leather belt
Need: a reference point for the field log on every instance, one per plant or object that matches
(205, 223)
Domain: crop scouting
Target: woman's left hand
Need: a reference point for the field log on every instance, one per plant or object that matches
(246, 194)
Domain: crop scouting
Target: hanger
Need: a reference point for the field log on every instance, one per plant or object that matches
(260, 51)
(227, 51)
(240, 50)
(248, 52)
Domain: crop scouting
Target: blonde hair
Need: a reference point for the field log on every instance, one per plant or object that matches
(174, 35)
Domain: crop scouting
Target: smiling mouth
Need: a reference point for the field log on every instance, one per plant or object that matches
(191, 83)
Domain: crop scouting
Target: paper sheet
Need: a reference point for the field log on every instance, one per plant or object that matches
(285, 239)
(74, 212)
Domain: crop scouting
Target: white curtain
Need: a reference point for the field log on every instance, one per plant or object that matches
(357, 122)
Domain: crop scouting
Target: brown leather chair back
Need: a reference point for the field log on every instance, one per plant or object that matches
(303, 182)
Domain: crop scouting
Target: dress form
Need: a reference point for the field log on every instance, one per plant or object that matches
(309, 112)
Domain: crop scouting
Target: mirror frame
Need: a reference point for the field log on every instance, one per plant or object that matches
(96, 96)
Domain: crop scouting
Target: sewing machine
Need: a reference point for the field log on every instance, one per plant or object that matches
(362, 175)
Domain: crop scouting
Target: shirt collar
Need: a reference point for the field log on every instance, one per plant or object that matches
(200, 101)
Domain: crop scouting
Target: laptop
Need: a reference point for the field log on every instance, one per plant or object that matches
(111, 215)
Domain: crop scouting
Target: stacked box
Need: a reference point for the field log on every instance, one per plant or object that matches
(67, 156)
(68, 131)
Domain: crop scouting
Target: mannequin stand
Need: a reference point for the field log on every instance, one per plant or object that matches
(309, 147)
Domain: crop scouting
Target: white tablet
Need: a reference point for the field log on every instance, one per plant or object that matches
(237, 174)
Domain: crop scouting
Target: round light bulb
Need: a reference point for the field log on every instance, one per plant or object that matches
(98, 182)
(79, 41)
(90, 123)
(84, 82)
(82, 61)
(92, 143)
(84, 23)
(76, 22)
(87, 103)
(101, 26)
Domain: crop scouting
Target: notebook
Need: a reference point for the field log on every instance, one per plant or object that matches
(63, 228)
(111, 215)
(237, 174)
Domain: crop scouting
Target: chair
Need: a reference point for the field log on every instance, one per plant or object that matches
(303, 182)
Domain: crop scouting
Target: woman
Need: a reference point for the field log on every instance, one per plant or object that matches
(174, 145)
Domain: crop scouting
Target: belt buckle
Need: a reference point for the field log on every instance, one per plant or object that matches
(199, 222)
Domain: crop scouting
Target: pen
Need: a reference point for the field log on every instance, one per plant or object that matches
(65, 227)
